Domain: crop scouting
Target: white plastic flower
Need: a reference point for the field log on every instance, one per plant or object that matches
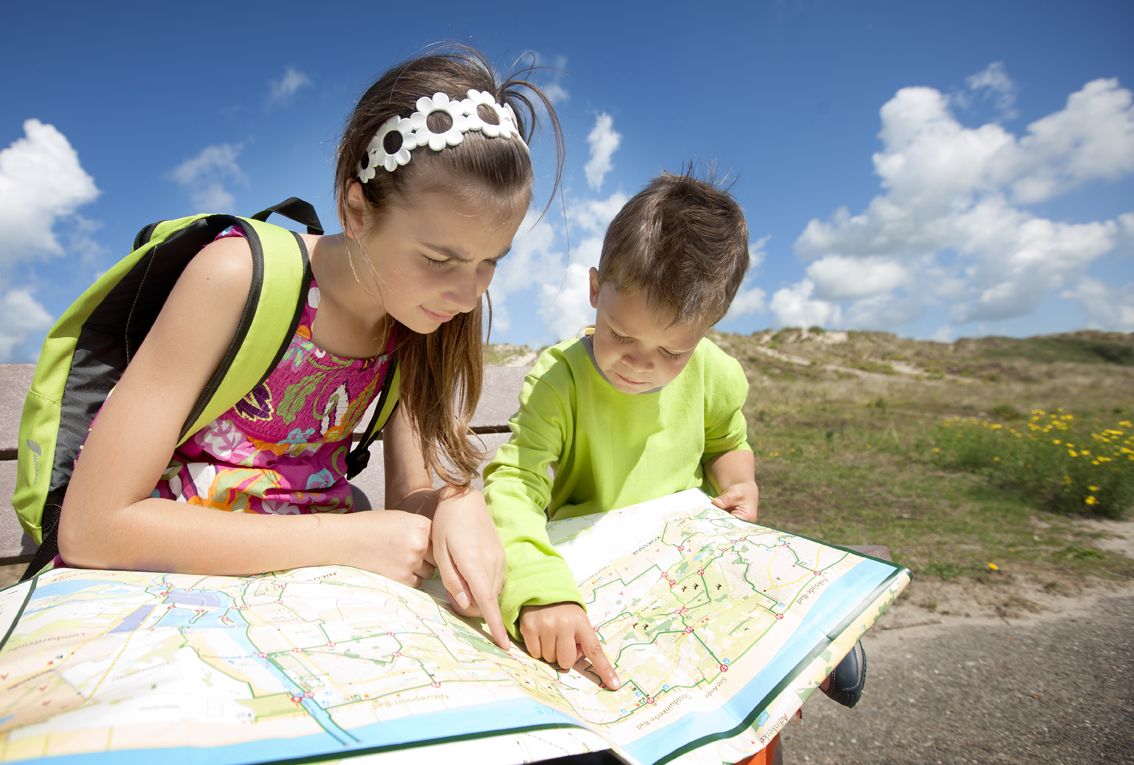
(506, 125)
(439, 103)
(376, 150)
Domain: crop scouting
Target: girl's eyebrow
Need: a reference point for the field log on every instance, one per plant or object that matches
(459, 255)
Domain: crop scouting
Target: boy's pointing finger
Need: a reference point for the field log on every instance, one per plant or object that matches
(592, 649)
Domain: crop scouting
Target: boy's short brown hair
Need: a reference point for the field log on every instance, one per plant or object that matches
(684, 242)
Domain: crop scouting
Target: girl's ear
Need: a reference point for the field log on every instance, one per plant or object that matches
(355, 213)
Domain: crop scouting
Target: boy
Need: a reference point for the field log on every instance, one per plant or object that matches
(641, 406)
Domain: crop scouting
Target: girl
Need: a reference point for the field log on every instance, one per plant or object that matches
(433, 178)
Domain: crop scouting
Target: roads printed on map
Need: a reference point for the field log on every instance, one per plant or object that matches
(718, 624)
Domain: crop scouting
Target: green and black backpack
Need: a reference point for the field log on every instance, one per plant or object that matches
(87, 350)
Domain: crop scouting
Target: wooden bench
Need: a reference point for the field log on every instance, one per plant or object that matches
(490, 424)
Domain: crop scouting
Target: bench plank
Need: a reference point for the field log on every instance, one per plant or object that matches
(498, 401)
(15, 379)
(15, 545)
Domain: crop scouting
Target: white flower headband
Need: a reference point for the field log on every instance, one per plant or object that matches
(415, 130)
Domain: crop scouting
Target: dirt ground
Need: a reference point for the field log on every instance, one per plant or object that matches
(1005, 672)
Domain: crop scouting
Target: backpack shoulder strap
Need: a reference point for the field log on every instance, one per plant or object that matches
(281, 275)
(359, 457)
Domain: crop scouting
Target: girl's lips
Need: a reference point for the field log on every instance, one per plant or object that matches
(440, 317)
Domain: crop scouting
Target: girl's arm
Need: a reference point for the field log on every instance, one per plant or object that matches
(466, 547)
(109, 518)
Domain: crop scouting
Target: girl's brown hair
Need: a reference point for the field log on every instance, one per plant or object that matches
(442, 373)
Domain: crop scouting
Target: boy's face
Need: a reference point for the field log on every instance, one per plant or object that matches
(635, 347)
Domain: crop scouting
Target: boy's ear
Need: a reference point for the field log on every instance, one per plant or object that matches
(594, 288)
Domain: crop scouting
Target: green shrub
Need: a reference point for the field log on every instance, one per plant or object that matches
(1064, 463)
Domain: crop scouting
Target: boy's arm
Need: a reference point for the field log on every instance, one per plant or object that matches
(728, 459)
(735, 475)
(517, 487)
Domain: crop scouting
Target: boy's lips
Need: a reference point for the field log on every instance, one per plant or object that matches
(628, 381)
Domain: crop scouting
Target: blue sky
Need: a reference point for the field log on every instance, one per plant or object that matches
(936, 170)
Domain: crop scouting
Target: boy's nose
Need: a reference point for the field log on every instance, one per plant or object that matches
(636, 363)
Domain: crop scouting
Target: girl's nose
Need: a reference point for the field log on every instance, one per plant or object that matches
(465, 290)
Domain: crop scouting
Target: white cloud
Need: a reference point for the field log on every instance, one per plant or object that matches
(533, 259)
(749, 298)
(794, 307)
(204, 177)
(944, 334)
(41, 184)
(840, 278)
(552, 72)
(996, 80)
(950, 225)
(567, 308)
(604, 141)
(20, 315)
(1092, 137)
(1108, 308)
(594, 215)
(285, 87)
(539, 262)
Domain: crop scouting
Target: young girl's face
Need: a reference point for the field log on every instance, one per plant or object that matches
(434, 258)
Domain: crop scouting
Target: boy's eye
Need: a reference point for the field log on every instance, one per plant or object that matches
(434, 262)
(670, 354)
(619, 338)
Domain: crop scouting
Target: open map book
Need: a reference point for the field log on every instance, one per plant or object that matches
(719, 630)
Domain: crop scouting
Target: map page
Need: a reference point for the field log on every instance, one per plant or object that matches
(719, 630)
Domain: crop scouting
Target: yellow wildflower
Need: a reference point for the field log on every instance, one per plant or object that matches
(994, 567)
(1091, 500)
(1093, 488)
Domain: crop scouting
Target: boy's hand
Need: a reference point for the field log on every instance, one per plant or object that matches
(740, 499)
(560, 633)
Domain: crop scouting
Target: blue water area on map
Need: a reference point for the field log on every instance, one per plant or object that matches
(416, 729)
(199, 611)
(843, 597)
(55, 590)
(195, 598)
(131, 622)
(845, 594)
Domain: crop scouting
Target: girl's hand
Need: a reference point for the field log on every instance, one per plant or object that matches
(741, 499)
(468, 553)
(560, 634)
(392, 543)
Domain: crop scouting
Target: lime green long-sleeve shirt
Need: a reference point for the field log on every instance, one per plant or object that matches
(606, 450)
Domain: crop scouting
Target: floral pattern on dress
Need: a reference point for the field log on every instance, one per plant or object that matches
(282, 449)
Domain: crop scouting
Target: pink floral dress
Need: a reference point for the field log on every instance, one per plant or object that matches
(282, 449)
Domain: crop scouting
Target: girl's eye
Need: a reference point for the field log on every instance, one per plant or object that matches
(619, 338)
(435, 263)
